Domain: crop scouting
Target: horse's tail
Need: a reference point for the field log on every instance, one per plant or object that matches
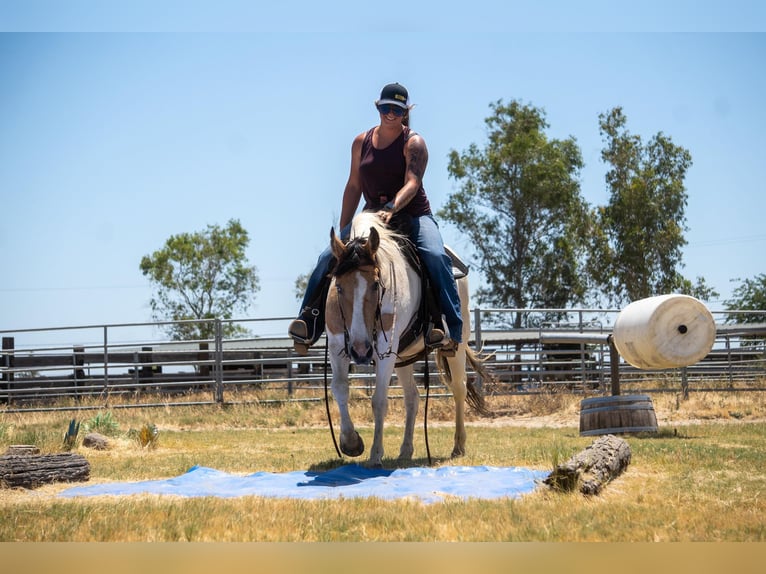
(473, 397)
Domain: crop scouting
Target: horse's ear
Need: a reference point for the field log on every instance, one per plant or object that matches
(336, 245)
(374, 241)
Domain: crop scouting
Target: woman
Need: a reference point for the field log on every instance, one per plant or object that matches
(387, 167)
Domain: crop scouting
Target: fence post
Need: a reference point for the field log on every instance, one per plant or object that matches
(106, 363)
(218, 368)
(478, 343)
(614, 366)
(78, 360)
(728, 361)
(477, 327)
(8, 363)
(289, 372)
(684, 384)
(146, 369)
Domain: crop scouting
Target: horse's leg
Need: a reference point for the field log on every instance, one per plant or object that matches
(457, 383)
(351, 444)
(383, 374)
(457, 379)
(411, 402)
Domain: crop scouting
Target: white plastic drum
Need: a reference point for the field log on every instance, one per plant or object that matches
(664, 332)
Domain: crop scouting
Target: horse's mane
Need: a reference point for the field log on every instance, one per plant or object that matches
(389, 251)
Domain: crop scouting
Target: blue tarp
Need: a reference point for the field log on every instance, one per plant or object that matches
(350, 481)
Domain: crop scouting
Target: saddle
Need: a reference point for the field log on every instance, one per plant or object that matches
(429, 314)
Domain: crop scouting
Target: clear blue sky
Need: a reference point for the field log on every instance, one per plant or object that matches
(112, 142)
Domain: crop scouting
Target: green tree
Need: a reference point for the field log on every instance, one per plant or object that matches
(750, 295)
(202, 275)
(301, 282)
(638, 236)
(520, 204)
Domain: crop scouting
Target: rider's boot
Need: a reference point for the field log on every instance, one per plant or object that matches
(308, 327)
(305, 330)
(438, 339)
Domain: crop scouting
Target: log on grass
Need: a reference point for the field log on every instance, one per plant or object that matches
(589, 470)
(32, 471)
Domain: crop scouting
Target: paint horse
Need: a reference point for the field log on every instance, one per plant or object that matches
(374, 295)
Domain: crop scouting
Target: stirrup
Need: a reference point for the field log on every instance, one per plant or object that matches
(435, 337)
(304, 330)
(439, 340)
(299, 331)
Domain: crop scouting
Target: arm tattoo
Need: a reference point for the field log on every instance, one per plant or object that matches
(417, 158)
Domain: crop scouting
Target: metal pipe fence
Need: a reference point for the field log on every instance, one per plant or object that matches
(136, 364)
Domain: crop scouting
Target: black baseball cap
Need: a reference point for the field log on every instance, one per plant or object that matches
(394, 94)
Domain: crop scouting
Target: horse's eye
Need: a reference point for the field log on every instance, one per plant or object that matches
(375, 285)
(339, 289)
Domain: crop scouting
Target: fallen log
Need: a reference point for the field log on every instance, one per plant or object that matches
(31, 471)
(591, 469)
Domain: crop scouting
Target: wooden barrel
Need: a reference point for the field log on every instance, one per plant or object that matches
(617, 415)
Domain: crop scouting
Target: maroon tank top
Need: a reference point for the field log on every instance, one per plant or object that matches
(382, 175)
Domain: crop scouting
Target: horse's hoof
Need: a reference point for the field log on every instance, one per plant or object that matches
(457, 453)
(352, 449)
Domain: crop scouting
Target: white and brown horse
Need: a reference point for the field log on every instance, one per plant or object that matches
(374, 296)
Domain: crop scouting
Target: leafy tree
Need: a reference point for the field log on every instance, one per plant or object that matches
(202, 275)
(637, 241)
(750, 295)
(520, 204)
(301, 282)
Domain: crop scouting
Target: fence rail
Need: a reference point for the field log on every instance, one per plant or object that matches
(61, 367)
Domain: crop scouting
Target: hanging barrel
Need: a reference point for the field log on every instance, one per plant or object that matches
(620, 414)
(664, 332)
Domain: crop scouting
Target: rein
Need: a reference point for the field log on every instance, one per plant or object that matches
(327, 399)
(379, 317)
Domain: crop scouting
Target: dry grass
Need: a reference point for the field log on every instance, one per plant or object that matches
(701, 478)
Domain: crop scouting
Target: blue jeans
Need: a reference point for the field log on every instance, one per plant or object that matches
(427, 238)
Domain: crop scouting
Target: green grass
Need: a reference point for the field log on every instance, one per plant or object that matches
(689, 482)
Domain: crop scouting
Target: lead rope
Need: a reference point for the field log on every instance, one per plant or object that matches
(327, 399)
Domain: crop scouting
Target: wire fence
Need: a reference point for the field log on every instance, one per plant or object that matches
(137, 365)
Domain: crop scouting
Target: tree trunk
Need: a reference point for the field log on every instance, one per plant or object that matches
(35, 470)
(590, 470)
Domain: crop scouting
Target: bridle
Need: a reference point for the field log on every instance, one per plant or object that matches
(380, 289)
